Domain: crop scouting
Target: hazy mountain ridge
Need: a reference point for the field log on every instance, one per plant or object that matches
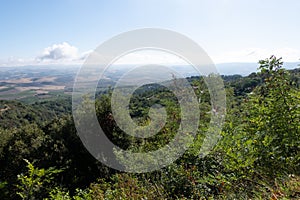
(37, 83)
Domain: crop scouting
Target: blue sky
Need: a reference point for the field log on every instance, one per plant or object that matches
(229, 30)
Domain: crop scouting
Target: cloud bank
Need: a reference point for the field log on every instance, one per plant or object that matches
(67, 54)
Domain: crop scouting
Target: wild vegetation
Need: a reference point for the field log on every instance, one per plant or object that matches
(258, 156)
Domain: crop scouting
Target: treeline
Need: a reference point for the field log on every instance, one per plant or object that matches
(258, 156)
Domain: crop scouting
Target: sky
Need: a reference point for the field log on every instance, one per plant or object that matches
(65, 31)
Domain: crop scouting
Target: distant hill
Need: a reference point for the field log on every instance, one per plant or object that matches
(39, 83)
(245, 69)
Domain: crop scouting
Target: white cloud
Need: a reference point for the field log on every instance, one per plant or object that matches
(62, 52)
(14, 61)
(66, 54)
(57, 54)
(84, 55)
(256, 54)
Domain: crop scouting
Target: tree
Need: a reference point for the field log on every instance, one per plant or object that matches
(261, 136)
(32, 185)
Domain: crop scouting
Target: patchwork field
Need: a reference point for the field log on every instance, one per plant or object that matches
(33, 84)
(36, 83)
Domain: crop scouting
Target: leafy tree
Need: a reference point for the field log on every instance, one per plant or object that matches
(274, 119)
(33, 184)
(262, 141)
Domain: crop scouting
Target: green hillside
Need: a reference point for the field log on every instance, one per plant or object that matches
(258, 156)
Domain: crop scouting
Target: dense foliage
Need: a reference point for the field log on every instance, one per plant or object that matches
(258, 156)
(17, 114)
